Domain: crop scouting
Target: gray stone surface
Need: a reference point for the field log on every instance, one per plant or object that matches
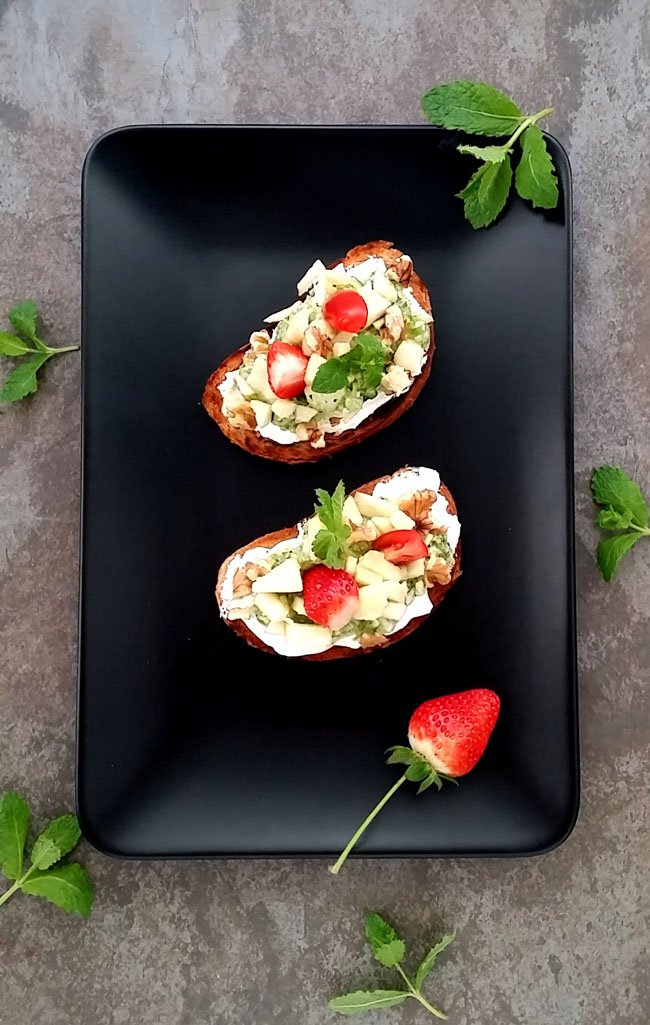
(559, 940)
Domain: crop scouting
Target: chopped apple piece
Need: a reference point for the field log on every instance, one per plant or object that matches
(315, 361)
(341, 348)
(298, 605)
(396, 590)
(309, 638)
(297, 326)
(376, 562)
(376, 303)
(262, 412)
(283, 408)
(414, 569)
(351, 565)
(277, 627)
(258, 379)
(372, 601)
(363, 575)
(401, 521)
(304, 413)
(394, 610)
(368, 505)
(308, 278)
(384, 287)
(283, 579)
(382, 524)
(409, 356)
(275, 606)
(351, 511)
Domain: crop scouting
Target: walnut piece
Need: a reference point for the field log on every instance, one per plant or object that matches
(395, 322)
(366, 532)
(372, 640)
(396, 380)
(400, 269)
(259, 342)
(316, 341)
(438, 572)
(242, 416)
(239, 614)
(313, 435)
(418, 506)
(242, 582)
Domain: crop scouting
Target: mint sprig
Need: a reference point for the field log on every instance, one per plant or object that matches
(330, 544)
(23, 380)
(389, 949)
(366, 358)
(623, 508)
(66, 885)
(480, 109)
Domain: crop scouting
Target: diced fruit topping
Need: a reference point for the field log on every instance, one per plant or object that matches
(400, 546)
(286, 368)
(331, 596)
(284, 578)
(346, 311)
(452, 732)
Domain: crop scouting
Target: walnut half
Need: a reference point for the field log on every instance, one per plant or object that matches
(372, 640)
(242, 583)
(438, 572)
(242, 416)
(418, 507)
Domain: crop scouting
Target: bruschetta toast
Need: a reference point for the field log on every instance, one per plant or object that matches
(361, 573)
(342, 362)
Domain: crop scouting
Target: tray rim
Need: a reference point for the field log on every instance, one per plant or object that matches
(566, 176)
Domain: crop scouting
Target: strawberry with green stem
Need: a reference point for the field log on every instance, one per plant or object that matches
(447, 737)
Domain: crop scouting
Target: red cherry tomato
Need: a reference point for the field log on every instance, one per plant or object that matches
(399, 546)
(346, 311)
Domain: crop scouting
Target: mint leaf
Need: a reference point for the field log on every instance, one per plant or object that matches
(331, 376)
(429, 959)
(612, 519)
(11, 345)
(67, 886)
(367, 1000)
(486, 193)
(492, 154)
(14, 823)
(22, 381)
(55, 841)
(386, 945)
(473, 107)
(535, 175)
(329, 545)
(23, 318)
(612, 550)
(612, 487)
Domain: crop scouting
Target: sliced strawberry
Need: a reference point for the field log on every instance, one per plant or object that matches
(286, 369)
(346, 311)
(452, 732)
(399, 546)
(331, 596)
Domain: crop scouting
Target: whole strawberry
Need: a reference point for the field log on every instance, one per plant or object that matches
(448, 736)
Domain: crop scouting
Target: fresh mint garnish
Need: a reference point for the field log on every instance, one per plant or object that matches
(366, 358)
(330, 544)
(480, 109)
(623, 509)
(66, 885)
(389, 949)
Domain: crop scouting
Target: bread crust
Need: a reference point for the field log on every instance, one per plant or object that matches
(436, 593)
(302, 451)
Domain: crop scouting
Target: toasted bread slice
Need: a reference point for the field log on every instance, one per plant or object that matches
(435, 589)
(247, 436)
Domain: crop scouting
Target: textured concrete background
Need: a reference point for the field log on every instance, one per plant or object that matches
(559, 940)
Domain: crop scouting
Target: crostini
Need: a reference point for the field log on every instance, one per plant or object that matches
(342, 362)
(361, 573)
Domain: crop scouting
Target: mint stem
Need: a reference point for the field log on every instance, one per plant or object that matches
(418, 996)
(17, 885)
(336, 868)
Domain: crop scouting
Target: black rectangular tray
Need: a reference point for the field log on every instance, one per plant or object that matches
(190, 743)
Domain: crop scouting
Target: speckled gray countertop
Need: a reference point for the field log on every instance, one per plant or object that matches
(556, 940)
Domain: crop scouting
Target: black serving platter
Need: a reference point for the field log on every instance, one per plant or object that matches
(190, 743)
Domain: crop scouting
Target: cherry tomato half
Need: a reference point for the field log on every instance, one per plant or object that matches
(346, 311)
(399, 546)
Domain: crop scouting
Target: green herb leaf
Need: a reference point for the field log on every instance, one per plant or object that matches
(535, 175)
(67, 886)
(386, 945)
(14, 823)
(331, 376)
(429, 959)
(473, 107)
(11, 345)
(55, 841)
(612, 519)
(486, 193)
(367, 1000)
(22, 381)
(23, 318)
(330, 544)
(418, 771)
(492, 154)
(612, 550)
(612, 487)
